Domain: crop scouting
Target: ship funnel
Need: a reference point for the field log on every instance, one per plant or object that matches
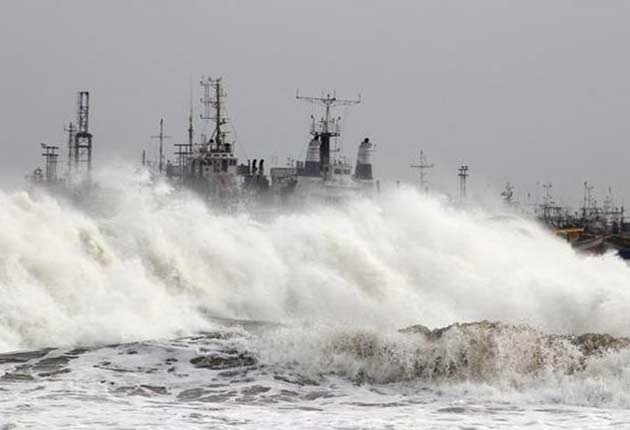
(312, 165)
(364, 160)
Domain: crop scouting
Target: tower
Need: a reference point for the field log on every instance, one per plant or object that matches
(423, 165)
(463, 176)
(83, 137)
(71, 130)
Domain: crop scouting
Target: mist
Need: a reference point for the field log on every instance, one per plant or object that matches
(527, 92)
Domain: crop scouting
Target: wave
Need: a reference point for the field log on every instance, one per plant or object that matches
(479, 363)
(491, 359)
(137, 260)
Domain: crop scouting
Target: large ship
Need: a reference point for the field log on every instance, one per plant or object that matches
(211, 168)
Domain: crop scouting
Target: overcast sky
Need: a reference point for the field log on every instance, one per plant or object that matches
(526, 91)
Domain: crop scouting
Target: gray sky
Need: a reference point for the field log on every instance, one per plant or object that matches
(524, 91)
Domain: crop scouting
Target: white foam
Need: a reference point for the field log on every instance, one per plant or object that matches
(143, 261)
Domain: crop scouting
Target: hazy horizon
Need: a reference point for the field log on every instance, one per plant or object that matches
(526, 92)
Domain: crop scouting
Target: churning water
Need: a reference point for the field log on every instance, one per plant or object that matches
(143, 308)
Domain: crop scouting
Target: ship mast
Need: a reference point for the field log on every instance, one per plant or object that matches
(463, 176)
(212, 100)
(161, 138)
(328, 127)
(423, 165)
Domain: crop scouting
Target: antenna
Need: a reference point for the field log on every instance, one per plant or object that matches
(463, 176)
(184, 150)
(423, 165)
(161, 138)
(190, 121)
(328, 102)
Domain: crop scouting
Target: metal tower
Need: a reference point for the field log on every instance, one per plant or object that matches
(82, 137)
(328, 127)
(423, 165)
(71, 130)
(463, 175)
(161, 138)
(50, 155)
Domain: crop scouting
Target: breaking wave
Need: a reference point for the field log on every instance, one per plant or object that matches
(137, 260)
(488, 358)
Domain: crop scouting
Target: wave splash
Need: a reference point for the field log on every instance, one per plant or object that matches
(492, 359)
(139, 261)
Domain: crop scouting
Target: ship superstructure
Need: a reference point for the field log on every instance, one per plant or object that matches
(325, 174)
(210, 166)
(213, 165)
(206, 162)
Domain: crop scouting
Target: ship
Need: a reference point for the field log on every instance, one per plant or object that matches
(211, 168)
(593, 229)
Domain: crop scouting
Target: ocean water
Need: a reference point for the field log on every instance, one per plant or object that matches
(143, 308)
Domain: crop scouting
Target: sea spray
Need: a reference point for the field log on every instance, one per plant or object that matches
(139, 260)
